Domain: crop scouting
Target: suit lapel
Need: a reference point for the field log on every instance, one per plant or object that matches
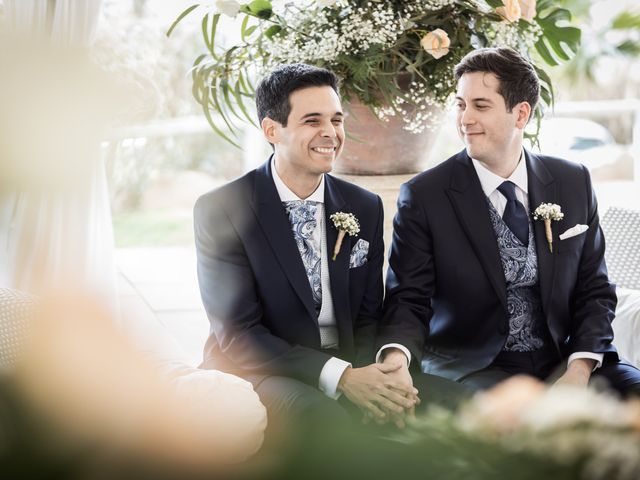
(470, 205)
(542, 188)
(275, 224)
(338, 268)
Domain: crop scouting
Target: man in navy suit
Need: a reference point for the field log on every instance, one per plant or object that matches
(284, 314)
(475, 291)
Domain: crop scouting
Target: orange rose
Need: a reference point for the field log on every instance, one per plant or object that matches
(528, 9)
(511, 10)
(436, 43)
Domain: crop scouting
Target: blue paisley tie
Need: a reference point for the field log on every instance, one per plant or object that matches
(302, 216)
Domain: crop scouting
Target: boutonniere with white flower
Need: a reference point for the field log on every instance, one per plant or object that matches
(345, 223)
(548, 212)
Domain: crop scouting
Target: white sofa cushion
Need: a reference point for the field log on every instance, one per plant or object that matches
(626, 325)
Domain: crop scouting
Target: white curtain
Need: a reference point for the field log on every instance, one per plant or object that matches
(50, 236)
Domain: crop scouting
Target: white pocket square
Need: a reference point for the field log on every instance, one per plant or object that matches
(573, 231)
(358, 256)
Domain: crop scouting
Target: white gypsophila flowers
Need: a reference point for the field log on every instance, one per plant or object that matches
(346, 222)
(569, 425)
(548, 211)
(325, 36)
(604, 453)
(558, 408)
(418, 107)
(506, 34)
(427, 6)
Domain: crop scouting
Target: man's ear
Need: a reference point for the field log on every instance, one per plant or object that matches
(524, 112)
(270, 129)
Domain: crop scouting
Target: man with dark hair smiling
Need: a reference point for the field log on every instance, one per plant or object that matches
(476, 289)
(284, 314)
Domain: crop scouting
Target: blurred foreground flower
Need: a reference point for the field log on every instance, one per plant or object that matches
(523, 430)
(102, 398)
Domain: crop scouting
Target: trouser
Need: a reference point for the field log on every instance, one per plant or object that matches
(544, 365)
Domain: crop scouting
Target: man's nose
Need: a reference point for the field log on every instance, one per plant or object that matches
(328, 130)
(467, 117)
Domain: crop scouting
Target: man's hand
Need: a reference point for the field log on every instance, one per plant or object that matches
(402, 376)
(578, 373)
(374, 391)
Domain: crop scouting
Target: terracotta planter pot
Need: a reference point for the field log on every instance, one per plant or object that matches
(374, 147)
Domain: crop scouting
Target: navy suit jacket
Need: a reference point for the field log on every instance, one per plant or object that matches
(255, 289)
(446, 292)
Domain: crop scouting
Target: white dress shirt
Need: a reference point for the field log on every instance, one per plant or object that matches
(334, 368)
(490, 183)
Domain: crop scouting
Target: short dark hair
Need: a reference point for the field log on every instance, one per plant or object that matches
(518, 79)
(272, 94)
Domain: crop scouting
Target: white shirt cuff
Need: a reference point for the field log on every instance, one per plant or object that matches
(330, 377)
(404, 349)
(598, 357)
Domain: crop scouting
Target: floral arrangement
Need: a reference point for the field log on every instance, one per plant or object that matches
(548, 212)
(521, 429)
(395, 56)
(345, 223)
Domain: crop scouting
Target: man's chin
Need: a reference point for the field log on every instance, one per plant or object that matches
(471, 152)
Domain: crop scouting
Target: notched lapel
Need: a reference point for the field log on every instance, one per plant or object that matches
(469, 202)
(338, 268)
(275, 224)
(542, 189)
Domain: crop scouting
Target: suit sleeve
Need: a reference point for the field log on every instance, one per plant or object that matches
(410, 278)
(368, 317)
(594, 300)
(231, 300)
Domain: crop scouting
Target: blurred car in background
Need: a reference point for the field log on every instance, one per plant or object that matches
(589, 143)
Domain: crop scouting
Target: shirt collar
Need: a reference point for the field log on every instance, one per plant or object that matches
(490, 181)
(285, 193)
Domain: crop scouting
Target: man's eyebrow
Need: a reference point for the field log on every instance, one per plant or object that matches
(478, 99)
(317, 114)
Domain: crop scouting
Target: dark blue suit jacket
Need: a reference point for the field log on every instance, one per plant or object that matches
(255, 289)
(446, 292)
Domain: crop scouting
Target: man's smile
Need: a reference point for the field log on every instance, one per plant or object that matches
(324, 150)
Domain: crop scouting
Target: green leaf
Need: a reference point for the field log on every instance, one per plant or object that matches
(180, 17)
(217, 129)
(204, 103)
(261, 8)
(557, 38)
(272, 30)
(227, 92)
(214, 29)
(546, 86)
(205, 32)
(626, 20)
(240, 101)
(213, 100)
(495, 3)
(545, 54)
(220, 109)
(629, 48)
(243, 27)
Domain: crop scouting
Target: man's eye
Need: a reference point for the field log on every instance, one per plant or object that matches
(337, 121)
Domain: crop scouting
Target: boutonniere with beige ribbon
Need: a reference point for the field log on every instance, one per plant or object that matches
(345, 223)
(548, 212)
